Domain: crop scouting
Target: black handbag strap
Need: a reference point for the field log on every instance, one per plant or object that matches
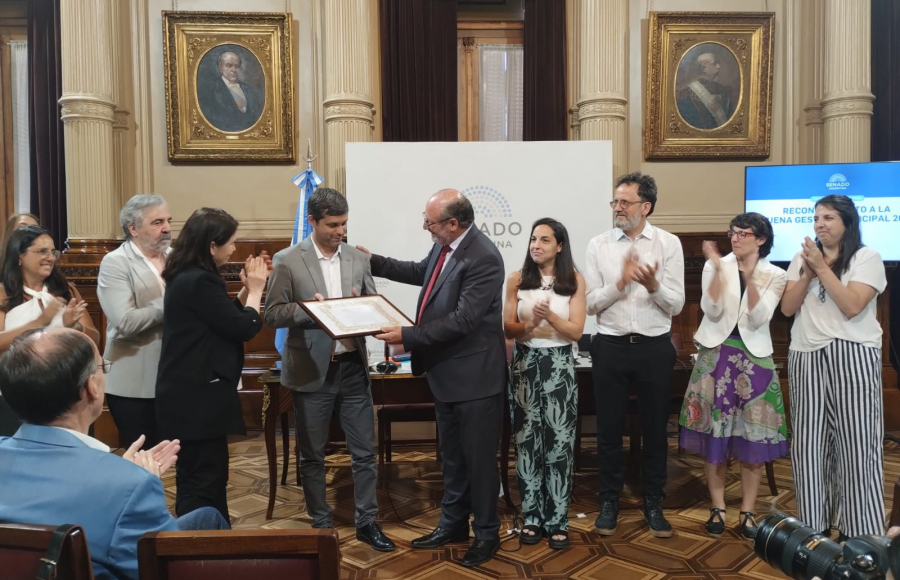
(47, 568)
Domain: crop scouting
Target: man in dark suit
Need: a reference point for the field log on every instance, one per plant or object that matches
(458, 341)
(326, 374)
(226, 101)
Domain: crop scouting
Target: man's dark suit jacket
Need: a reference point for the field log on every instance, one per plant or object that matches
(218, 106)
(202, 357)
(459, 340)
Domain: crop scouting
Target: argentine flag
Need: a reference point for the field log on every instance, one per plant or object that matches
(307, 181)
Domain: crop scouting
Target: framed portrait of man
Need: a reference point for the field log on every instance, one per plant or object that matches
(709, 85)
(229, 86)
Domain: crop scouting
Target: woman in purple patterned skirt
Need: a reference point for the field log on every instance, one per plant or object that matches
(733, 407)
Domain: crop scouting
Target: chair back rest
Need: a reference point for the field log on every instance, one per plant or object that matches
(23, 546)
(239, 555)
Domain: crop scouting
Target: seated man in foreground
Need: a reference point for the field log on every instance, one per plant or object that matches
(54, 473)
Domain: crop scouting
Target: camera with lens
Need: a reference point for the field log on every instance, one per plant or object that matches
(797, 550)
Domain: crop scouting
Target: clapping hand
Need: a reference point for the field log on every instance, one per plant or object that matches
(73, 312)
(646, 277)
(542, 312)
(630, 266)
(50, 311)
(255, 272)
(156, 460)
(812, 255)
(711, 253)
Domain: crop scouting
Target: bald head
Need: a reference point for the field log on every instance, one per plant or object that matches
(448, 214)
(43, 373)
(707, 65)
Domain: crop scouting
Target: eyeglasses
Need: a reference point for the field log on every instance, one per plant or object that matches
(738, 234)
(46, 253)
(107, 364)
(428, 223)
(624, 203)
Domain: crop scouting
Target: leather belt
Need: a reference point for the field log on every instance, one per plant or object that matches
(345, 357)
(634, 338)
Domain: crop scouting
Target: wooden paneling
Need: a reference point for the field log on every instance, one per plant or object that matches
(260, 353)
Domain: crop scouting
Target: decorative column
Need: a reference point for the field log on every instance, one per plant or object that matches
(122, 183)
(813, 68)
(573, 8)
(349, 112)
(88, 113)
(603, 76)
(847, 102)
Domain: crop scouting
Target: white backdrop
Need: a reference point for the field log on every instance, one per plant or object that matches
(510, 184)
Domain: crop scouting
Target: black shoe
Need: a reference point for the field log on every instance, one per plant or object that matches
(605, 524)
(748, 525)
(480, 552)
(653, 515)
(439, 536)
(715, 525)
(371, 534)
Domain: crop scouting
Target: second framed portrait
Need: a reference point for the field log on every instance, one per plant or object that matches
(709, 85)
(229, 86)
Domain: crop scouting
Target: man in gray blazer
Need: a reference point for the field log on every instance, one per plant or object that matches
(324, 373)
(130, 289)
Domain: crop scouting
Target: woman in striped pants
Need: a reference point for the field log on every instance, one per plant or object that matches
(834, 368)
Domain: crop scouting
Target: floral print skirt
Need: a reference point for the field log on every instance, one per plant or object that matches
(733, 407)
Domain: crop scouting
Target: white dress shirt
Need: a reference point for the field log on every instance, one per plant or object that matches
(331, 271)
(634, 310)
(151, 265)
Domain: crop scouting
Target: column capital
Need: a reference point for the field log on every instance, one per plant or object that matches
(86, 107)
(352, 107)
(594, 107)
(120, 122)
(858, 105)
(813, 115)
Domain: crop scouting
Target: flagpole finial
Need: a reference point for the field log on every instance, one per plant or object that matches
(309, 155)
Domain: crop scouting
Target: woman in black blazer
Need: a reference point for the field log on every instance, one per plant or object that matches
(202, 355)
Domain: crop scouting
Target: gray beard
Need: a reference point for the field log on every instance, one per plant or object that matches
(628, 224)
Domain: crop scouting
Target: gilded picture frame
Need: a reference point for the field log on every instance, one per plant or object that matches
(229, 86)
(709, 85)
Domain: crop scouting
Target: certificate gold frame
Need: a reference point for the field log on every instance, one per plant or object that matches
(355, 316)
(709, 85)
(229, 86)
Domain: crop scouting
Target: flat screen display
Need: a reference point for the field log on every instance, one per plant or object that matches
(787, 194)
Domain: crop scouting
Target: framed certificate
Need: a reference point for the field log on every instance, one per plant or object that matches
(355, 316)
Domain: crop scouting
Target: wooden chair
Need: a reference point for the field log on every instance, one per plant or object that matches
(24, 547)
(239, 555)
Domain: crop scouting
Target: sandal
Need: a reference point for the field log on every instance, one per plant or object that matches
(533, 538)
(558, 544)
(748, 525)
(715, 525)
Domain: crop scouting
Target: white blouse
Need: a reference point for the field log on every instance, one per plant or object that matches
(544, 335)
(31, 310)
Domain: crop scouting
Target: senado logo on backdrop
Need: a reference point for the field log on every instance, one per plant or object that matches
(493, 214)
(837, 182)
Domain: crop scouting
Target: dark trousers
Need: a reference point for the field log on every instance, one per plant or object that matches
(469, 438)
(201, 476)
(617, 366)
(134, 417)
(345, 389)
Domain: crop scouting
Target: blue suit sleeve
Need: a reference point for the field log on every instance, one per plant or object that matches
(144, 512)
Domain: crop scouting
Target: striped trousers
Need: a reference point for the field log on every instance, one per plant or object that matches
(837, 418)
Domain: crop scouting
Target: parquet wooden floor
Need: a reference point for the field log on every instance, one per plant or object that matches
(409, 497)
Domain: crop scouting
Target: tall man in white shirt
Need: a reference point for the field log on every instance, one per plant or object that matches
(130, 289)
(635, 281)
(326, 374)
